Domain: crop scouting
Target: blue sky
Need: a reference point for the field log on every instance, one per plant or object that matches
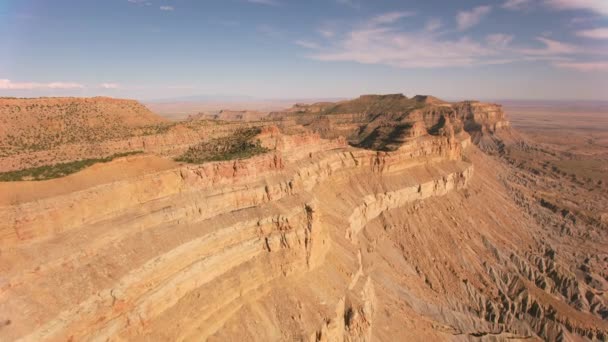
(149, 49)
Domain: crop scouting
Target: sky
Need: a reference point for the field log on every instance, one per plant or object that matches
(282, 49)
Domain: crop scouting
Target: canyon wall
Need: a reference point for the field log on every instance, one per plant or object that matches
(119, 259)
(397, 228)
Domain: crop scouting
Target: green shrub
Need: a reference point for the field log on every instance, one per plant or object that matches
(240, 145)
(57, 170)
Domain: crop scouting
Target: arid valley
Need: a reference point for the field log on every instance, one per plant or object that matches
(377, 218)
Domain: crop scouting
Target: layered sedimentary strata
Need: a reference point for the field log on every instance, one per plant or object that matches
(38, 132)
(390, 226)
(121, 258)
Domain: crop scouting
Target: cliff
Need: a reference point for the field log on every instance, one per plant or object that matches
(389, 226)
(268, 216)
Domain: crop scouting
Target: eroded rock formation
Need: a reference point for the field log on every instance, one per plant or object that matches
(389, 226)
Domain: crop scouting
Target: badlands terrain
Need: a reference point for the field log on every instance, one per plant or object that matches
(382, 218)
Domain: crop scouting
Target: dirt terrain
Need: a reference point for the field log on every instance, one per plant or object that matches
(382, 218)
(577, 127)
(569, 141)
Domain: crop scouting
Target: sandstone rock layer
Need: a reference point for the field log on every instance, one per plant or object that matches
(409, 233)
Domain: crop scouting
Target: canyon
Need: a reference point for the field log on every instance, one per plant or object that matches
(379, 218)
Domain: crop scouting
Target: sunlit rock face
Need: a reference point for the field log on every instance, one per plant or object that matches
(382, 218)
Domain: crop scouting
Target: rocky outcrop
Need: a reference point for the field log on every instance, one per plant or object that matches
(387, 122)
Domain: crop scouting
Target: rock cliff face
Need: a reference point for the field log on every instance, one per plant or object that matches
(415, 236)
(386, 122)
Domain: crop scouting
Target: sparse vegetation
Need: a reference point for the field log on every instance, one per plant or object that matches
(57, 170)
(239, 145)
(160, 128)
(44, 124)
(375, 104)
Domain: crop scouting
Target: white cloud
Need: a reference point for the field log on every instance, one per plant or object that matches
(167, 8)
(468, 19)
(597, 6)
(6, 84)
(140, 2)
(404, 50)
(307, 44)
(109, 85)
(516, 5)
(378, 42)
(390, 17)
(551, 48)
(433, 24)
(583, 66)
(599, 33)
(582, 20)
(327, 33)
(63, 85)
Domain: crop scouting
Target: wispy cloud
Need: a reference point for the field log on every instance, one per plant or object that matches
(433, 24)
(583, 20)
(378, 42)
(390, 17)
(307, 44)
(551, 47)
(598, 33)
(597, 6)
(468, 19)
(327, 33)
(109, 85)
(380, 46)
(6, 84)
(382, 41)
(516, 5)
(264, 2)
(140, 2)
(583, 66)
(167, 8)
